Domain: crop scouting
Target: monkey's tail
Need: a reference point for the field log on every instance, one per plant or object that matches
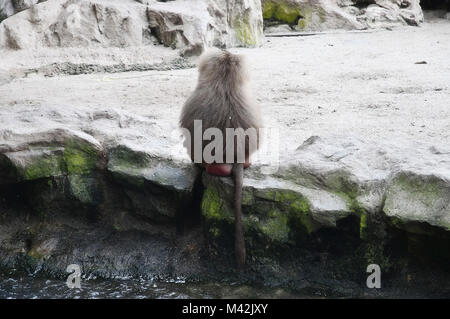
(239, 243)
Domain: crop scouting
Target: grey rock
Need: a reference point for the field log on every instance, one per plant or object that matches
(277, 29)
(186, 25)
(157, 188)
(11, 7)
(306, 15)
(413, 198)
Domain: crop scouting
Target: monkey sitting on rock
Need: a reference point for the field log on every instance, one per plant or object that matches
(222, 100)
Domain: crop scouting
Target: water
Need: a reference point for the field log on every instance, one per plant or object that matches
(29, 287)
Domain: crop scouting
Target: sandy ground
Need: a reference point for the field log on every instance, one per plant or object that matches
(366, 85)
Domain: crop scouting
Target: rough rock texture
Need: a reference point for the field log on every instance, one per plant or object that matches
(10, 7)
(97, 197)
(410, 194)
(186, 25)
(306, 15)
(92, 171)
(77, 156)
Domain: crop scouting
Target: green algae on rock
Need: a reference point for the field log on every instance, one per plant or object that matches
(413, 198)
(299, 15)
(276, 215)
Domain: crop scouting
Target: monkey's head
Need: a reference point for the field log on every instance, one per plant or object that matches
(216, 65)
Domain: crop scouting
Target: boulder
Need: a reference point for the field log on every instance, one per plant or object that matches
(277, 211)
(156, 188)
(75, 23)
(10, 7)
(54, 153)
(185, 25)
(98, 172)
(413, 199)
(307, 15)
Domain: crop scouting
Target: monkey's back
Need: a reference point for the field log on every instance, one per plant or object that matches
(222, 98)
(220, 110)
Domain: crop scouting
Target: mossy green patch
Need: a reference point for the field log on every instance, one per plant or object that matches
(124, 157)
(280, 195)
(276, 227)
(293, 200)
(245, 32)
(301, 24)
(300, 205)
(427, 197)
(44, 166)
(214, 207)
(214, 231)
(247, 198)
(300, 15)
(295, 205)
(310, 17)
(81, 158)
(281, 11)
(426, 190)
(34, 254)
(77, 158)
(303, 220)
(348, 192)
(363, 226)
(268, 9)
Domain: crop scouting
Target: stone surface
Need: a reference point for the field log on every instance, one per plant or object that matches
(275, 209)
(185, 25)
(347, 172)
(361, 175)
(11, 7)
(410, 195)
(305, 15)
(60, 152)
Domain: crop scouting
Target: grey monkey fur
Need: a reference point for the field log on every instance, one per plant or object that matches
(222, 99)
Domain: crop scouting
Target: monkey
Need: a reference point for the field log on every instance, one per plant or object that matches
(222, 99)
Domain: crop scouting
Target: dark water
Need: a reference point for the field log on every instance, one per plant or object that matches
(29, 287)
